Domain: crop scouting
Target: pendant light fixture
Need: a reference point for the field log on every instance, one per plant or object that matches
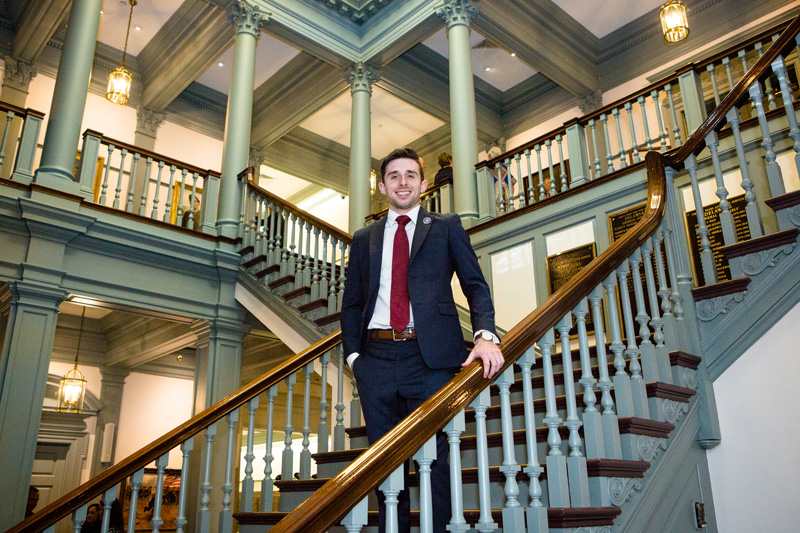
(72, 387)
(674, 23)
(120, 80)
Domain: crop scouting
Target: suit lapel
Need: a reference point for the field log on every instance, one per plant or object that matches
(420, 232)
(375, 256)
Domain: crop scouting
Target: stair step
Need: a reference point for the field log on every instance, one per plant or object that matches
(557, 517)
(246, 250)
(328, 319)
(784, 201)
(254, 261)
(760, 244)
(721, 288)
(310, 306)
(296, 293)
(267, 271)
(280, 282)
(684, 359)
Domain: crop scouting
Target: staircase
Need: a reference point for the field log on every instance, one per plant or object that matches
(581, 431)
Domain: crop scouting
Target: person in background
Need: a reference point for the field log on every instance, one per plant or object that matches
(194, 214)
(92, 523)
(445, 169)
(503, 180)
(33, 501)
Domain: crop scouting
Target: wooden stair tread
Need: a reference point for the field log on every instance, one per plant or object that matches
(268, 270)
(759, 244)
(790, 199)
(310, 306)
(328, 319)
(254, 261)
(721, 288)
(281, 281)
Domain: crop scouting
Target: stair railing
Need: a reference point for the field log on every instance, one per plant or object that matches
(17, 158)
(659, 317)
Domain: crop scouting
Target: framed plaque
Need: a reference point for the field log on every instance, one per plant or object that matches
(561, 267)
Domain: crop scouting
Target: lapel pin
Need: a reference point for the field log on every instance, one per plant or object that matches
(426, 220)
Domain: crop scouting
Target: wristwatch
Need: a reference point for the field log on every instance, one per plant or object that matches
(485, 335)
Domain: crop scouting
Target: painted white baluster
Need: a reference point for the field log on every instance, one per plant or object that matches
(562, 168)
(204, 513)
(540, 173)
(675, 296)
(106, 501)
(79, 516)
(288, 456)
(266, 483)
(170, 193)
(355, 405)
(248, 484)
(146, 187)
(9, 118)
(513, 513)
(305, 454)
(291, 264)
(609, 157)
(323, 429)
(676, 130)
(132, 181)
(726, 62)
(779, 68)
(342, 248)
(118, 189)
(774, 178)
(334, 282)
(135, 481)
(608, 419)
(592, 427)
(662, 355)
(306, 277)
(161, 465)
(104, 185)
(771, 103)
(549, 144)
(391, 488)
(712, 72)
(634, 142)
(315, 271)
(725, 216)
(180, 520)
(638, 391)
(225, 514)
(751, 208)
(520, 189)
(338, 430)
(622, 382)
(597, 169)
(662, 134)
(357, 517)
(623, 162)
(529, 200)
(646, 347)
(424, 457)
(480, 404)
(323, 268)
(641, 100)
(706, 256)
(500, 187)
(453, 430)
(154, 211)
(536, 511)
(182, 188)
(556, 462)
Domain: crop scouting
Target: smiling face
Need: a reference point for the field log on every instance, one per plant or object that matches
(402, 184)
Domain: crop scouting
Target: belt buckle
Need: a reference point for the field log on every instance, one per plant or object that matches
(394, 336)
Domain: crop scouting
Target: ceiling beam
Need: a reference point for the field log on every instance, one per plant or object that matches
(139, 340)
(183, 49)
(545, 38)
(35, 22)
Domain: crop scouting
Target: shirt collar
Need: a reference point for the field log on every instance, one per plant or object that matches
(413, 214)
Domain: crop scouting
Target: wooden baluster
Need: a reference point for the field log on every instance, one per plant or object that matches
(563, 174)
(622, 381)
(104, 185)
(248, 484)
(657, 325)
(79, 516)
(391, 488)
(638, 391)
(161, 465)
(751, 208)
(118, 189)
(315, 273)
(135, 481)
(132, 181)
(480, 404)
(676, 130)
(146, 187)
(608, 420)
(266, 483)
(706, 256)
(662, 134)
(529, 193)
(334, 282)
(634, 142)
(204, 513)
(106, 500)
(576, 462)
(338, 430)
(779, 68)
(725, 216)
(288, 455)
(712, 72)
(623, 163)
(540, 172)
(642, 100)
(170, 194)
(646, 347)
(548, 144)
(513, 513)
(357, 517)
(225, 514)
(556, 462)
(154, 211)
(453, 430)
(592, 426)
(536, 511)
(597, 169)
(305, 454)
(609, 157)
(186, 451)
(424, 457)
(323, 429)
(9, 118)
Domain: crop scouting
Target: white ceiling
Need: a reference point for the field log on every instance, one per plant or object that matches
(394, 122)
(96, 313)
(601, 17)
(149, 16)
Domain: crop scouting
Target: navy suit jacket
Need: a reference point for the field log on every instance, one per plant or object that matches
(440, 248)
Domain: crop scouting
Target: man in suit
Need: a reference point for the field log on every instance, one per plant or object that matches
(400, 328)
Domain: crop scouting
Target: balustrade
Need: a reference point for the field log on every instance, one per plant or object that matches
(17, 157)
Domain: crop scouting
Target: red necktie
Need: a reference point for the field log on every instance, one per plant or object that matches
(398, 301)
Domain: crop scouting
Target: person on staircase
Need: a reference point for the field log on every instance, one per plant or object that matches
(400, 326)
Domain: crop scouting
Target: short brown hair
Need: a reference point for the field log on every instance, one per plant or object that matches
(445, 159)
(402, 153)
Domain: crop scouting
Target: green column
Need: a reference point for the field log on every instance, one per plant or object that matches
(360, 77)
(247, 21)
(463, 123)
(112, 387)
(27, 345)
(69, 98)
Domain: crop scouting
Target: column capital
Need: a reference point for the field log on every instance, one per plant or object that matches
(247, 18)
(257, 157)
(148, 120)
(113, 374)
(361, 76)
(591, 102)
(457, 12)
(18, 74)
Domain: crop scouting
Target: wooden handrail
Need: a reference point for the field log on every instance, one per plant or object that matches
(695, 144)
(249, 174)
(19, 111)
(154, 155)
(94, 487)
(328, 505)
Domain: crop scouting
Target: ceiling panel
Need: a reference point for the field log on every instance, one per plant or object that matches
(601, 17)
(148, 17)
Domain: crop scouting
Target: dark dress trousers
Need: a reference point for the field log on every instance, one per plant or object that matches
(394, 378)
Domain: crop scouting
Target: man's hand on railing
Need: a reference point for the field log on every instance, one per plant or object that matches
(488, 352)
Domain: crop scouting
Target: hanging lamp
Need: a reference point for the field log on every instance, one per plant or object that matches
(72, 387)
(120, 80)
(674, 23)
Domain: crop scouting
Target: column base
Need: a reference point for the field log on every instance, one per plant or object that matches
(57, 178)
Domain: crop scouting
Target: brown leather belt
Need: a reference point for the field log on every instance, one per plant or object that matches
(392, 335)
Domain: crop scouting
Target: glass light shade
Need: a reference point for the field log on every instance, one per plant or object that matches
(674, 23)
(71, 391)
(119, 86)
